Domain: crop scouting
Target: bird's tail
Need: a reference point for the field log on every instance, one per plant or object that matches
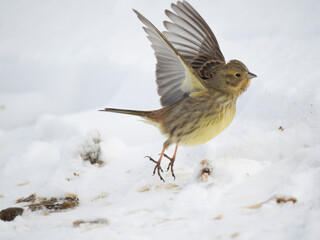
(143, 114)
(150, 117)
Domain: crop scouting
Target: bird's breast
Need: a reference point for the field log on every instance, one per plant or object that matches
(204, 125)
(208, 128)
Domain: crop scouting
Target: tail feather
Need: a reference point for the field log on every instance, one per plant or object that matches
(130, 112)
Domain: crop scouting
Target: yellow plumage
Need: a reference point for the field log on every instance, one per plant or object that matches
(209, 128)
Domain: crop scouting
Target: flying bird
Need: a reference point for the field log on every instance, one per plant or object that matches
(198, 88)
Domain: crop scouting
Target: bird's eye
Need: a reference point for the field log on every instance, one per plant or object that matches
(238, 75)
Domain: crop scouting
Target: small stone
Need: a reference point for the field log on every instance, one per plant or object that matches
(280, 200)
(9, 214)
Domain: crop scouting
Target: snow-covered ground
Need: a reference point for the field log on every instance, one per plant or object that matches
(61, 61)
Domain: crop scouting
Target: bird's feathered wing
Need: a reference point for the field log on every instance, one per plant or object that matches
(193, 39)
(174, 76)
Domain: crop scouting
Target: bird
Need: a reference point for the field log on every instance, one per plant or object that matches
(198, 89)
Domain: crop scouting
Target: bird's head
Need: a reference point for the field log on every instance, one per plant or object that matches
(233, 78)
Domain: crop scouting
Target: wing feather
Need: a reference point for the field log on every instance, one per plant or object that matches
(174, 76)
(192, 37)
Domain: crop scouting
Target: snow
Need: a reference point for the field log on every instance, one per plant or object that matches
(61, 61)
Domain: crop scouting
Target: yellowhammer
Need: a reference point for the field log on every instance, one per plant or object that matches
(198, 88)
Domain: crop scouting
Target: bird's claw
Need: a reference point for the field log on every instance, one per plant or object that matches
(157, 168)
(170, 165)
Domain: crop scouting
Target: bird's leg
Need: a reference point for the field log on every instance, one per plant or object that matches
(170, 165)
(158, 166)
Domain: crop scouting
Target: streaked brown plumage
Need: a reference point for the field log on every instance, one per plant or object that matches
(198, 88)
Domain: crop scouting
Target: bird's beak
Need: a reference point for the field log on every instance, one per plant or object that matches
(251, 75)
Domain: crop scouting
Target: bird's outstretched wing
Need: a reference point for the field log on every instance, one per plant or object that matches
(193, 39)
(174, 76)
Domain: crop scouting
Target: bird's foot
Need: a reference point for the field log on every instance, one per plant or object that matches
(170, 165)
(157, 168)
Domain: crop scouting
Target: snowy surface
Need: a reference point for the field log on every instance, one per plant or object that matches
(61, 61)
